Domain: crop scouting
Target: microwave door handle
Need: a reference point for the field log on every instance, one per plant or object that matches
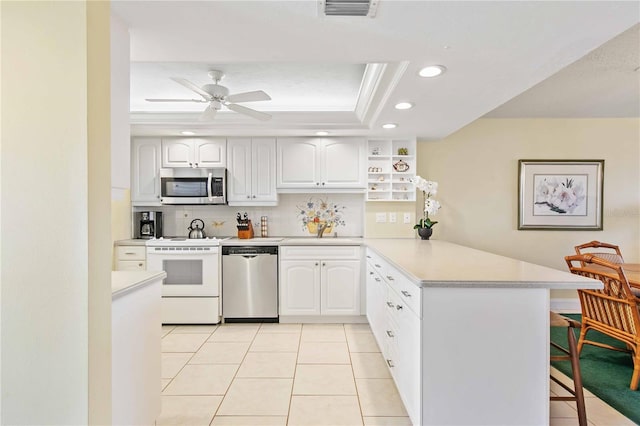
(209, 192)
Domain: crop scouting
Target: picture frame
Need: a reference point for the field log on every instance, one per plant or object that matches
(562, 195)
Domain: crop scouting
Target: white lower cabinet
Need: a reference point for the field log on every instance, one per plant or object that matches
(394, 314)
(131, 258)
(320, 280)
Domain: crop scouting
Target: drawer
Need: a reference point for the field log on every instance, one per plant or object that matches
(315, 252)
(131, 252)
(409, 293)
(131, 265)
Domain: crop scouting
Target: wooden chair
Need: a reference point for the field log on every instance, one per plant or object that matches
(614, 310)
(611, 254)
(570, 354)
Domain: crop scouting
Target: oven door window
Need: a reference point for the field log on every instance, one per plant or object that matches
(184, 187)
(183, 271)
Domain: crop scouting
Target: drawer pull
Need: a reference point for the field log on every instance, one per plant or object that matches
(390, 304)
(390, 278)
(390, 363)
(377, 266)
(399, 307)
(129, 253)
(405, 293)
(140, 265)
(390, 333)
(370, 273)
(377, 279)
(368, 257)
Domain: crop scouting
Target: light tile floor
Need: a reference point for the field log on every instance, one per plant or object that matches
(294, 374)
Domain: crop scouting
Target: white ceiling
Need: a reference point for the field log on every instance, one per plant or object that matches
(312, 65)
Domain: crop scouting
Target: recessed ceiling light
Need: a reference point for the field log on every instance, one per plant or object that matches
(432, 71)
(322, 133)
(187, 133)
(404, 105)
(389, 126)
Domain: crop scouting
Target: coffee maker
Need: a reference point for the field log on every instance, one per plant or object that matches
(148, 225)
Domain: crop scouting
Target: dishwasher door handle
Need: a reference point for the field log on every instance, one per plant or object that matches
(247, 256)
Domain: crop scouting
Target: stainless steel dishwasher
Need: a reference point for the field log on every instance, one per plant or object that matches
(250, 283)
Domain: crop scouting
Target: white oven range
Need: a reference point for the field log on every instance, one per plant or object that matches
(191, 290)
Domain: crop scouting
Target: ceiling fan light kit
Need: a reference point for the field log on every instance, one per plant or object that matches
(218, 96)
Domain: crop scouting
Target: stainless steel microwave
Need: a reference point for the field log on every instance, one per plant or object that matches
(193, 186)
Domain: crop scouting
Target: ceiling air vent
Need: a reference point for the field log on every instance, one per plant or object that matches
(350, 7)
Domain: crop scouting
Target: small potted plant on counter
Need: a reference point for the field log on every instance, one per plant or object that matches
(431, 206)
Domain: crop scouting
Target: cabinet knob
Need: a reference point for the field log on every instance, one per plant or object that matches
(324, 264)
(390, 333)
(248, 196)
(322, 183)
(317, 183)
(253, 196)
(390, 304)
(140, 265)
(399, 307)
(390, 278)
(390, 363)
(316, 263)
(405, 293)
(196, 164)
(190, 164)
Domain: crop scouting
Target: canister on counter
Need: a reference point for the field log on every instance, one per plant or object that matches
(263, 227)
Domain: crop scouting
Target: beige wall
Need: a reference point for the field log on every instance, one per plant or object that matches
(55, 283)
(477, 168)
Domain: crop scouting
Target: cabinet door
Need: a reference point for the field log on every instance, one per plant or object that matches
(145, 166)
(208, 153)
(299, 287)
(340, 287)
(376, 299)
(343, 163)
(298, 163)
(177, 153)
(239, 170)
(408, 367)
(263, 165)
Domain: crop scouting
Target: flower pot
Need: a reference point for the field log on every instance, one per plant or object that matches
(425, 233)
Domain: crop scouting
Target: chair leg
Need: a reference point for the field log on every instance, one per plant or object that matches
(635, 378)
(577, 377)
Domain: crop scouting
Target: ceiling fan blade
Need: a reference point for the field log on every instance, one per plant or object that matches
(175, 100)
(208, 114)
(191, 86)
(257, 95)
(250, 112)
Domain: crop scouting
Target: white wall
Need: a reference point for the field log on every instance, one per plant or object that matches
(52, 275)
(477, 168)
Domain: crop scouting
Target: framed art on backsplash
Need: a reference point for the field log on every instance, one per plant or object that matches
(560, 194)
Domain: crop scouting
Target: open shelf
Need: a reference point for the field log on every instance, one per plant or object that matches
(395, 185)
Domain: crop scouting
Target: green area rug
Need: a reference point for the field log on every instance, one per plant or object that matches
(605, 373)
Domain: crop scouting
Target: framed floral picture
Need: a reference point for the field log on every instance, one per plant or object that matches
(560, 194)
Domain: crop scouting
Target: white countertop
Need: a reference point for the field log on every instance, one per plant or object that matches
(123, 282)
(435, 263)
(131, 242)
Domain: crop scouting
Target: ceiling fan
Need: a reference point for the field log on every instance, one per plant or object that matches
(217, 96)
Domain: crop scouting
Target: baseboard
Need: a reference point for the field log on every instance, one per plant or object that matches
(323, 319)
(566, 306)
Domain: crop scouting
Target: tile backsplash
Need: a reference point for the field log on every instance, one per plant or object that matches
(283, 220)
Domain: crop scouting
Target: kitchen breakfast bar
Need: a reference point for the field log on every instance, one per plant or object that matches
(464, 332)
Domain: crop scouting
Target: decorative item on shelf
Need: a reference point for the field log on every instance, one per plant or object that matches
(375, 169)
(403, 151)
(375, 150)
(401, 166)
(381, 179)
(319, 216)
(431, 206)
(373, 187)
(263, 227)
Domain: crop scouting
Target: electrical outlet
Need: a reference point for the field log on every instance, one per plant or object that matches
(392, 217)
(381, 217)
(406, 218)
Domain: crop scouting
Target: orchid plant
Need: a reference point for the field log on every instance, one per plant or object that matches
(431, 206)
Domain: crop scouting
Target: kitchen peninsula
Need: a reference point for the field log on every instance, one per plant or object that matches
(135, 346)
(464, 332)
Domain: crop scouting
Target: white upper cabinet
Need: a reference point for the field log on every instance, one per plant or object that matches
(194, 152)
(251, 172)
(321, 163)
(145, 166)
